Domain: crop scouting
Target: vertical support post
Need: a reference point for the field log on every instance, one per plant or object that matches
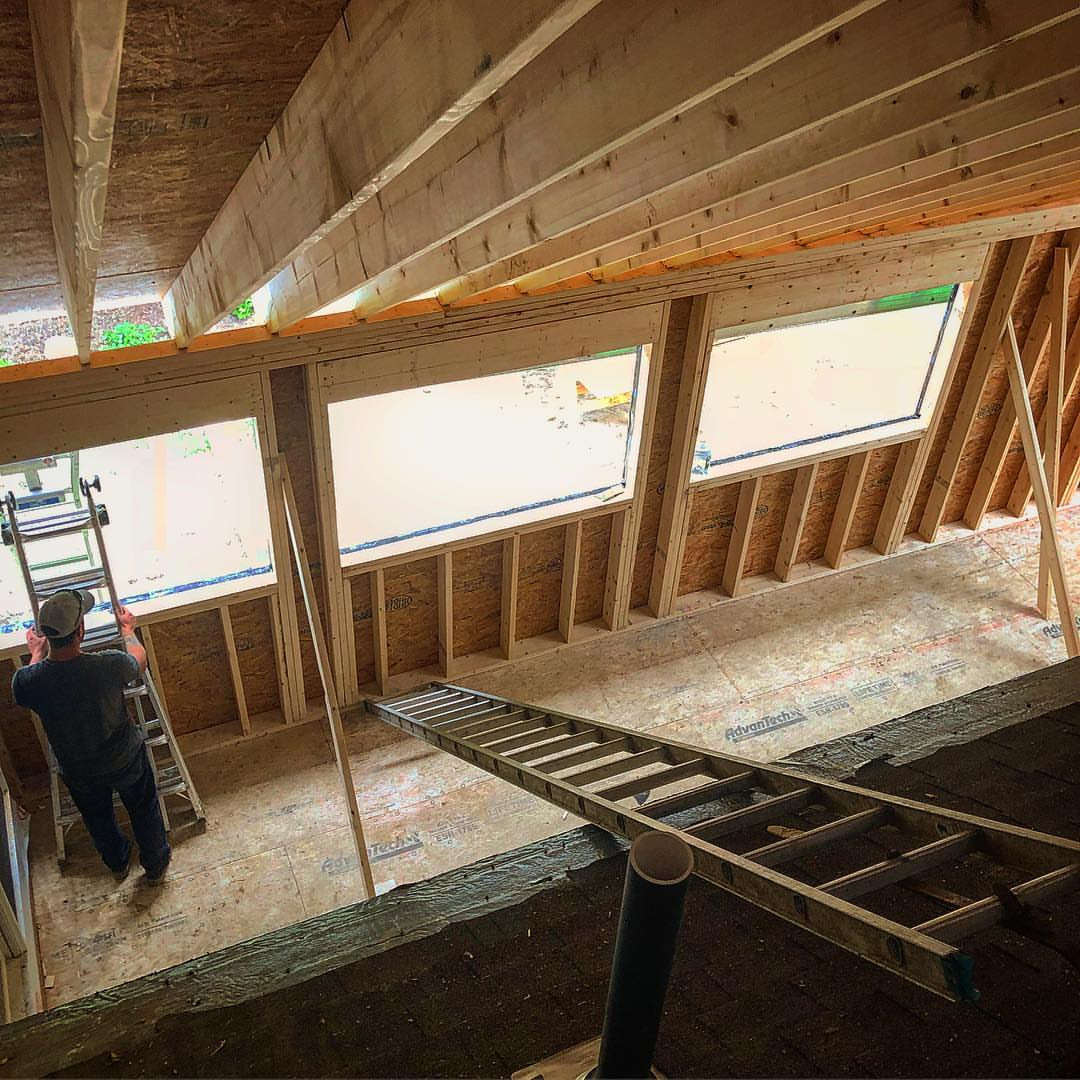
(284, 693)
(511, 555)
(234, 669)
(1055, 404)
(739, 544)
(568, 596)
(795, 520)
(445, 591)
(657, 873)
(1043, 499)
(671, 541)
(326, 675)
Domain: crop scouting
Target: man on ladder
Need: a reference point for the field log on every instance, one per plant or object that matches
(80, 699)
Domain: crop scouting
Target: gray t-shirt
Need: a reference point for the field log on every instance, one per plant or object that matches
(81, 705)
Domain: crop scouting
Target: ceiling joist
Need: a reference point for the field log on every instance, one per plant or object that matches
(390, 81)
(77, 49)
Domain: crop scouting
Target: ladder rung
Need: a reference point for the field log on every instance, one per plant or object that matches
(687, 800)
(602, 749)
(138, 690)
(462, 715)
(467, 729)
(890, 871)
(796, 846)
(760, 812)
(492, 736)
(57, 525)
(983, 914)
(536, 751)
(430, 713)
(100, 636)
(528, 739)
(672, 775)
(90, 578)
(613, 768)
(415, 702)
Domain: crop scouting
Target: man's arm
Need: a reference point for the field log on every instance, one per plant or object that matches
(126, 621)
(38, 644)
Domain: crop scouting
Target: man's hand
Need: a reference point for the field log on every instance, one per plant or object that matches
(125, 619)
(38, 645)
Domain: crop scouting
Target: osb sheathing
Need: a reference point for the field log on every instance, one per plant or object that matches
(875, 487)
(822, 507)
(193, 672)
(592, 568)
(656, 474)
(18, 728)
(767, 525)
(254, 636)
(477, 598)
(363, 628)
(711, 517)
(412, 616)
(540, 563)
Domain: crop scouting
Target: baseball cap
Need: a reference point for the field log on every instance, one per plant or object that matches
(60, 614)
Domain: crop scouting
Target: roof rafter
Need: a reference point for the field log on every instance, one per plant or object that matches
(370, 105)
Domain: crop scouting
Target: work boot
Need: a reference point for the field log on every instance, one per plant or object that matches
(158, 876)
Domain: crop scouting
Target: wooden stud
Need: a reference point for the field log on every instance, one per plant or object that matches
(234, 669)
(338, 613)
(911, 462)
(671, 541)
(989, 341)
(511, 555)
(795, 521)
(846, 505)
(739, 544)
(1039, 333)
(625, 526)
(378, 631)
(326, 675)
(284, 693)
(445, 590)
(154, 665)
(1055, 403)
(568, 596)
(1043, 499)
(77, 49)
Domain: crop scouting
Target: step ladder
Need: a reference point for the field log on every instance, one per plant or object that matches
(822, 855)
(26, 526)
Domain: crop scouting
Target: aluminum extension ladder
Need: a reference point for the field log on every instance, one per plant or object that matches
(24, 529)
(611, 776)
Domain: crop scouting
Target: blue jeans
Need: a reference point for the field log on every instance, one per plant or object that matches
(138, 792)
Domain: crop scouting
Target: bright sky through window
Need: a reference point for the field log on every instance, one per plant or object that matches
(483, 453)
(825, 380)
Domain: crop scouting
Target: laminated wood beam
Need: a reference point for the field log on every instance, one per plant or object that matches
(1047, 517)
(671, 539)
(989, 340)
(911, 462)
(1055, 403)
(234, 669)
(765, 143)
(511, 558)
(369, 107)
(795, 520)
(1039, 333)
(77, 49)
(846, 506)
(639, 64)
(739, 543)
(570, 567)
(326, 675)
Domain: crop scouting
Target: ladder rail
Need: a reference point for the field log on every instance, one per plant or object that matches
(910, 952)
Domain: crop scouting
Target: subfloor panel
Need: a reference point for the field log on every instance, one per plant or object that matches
(764, 677)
